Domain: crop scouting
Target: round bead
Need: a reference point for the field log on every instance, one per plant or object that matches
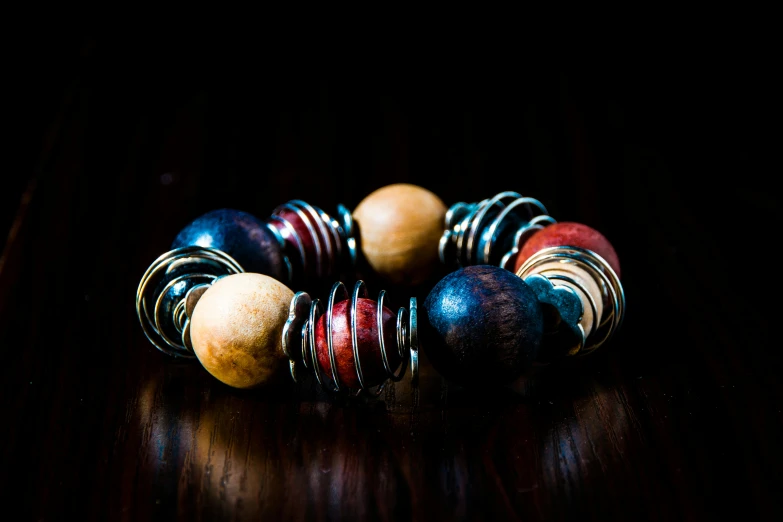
(400, 226)
(582, 283)
(569, 234)
(237, 326)
(176, 293)
(242, 236)
(481, 325)
(373, 372)
(308, 231)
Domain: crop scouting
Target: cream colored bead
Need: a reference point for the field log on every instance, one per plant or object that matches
(237, 326)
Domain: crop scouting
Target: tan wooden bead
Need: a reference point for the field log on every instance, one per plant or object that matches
(400, 226)
(237, 326)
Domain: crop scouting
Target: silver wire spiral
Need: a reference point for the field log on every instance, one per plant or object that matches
(609, 284)
(476, 232)
(330, 237)
(169, 290)
(299, 342)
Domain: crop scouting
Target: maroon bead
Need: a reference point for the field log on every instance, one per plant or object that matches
(369, 348)
(305, 241)
(569, 234)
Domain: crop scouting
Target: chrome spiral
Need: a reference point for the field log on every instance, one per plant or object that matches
(169, 290)
(300, 342)
(605, 296)
(319, 243)
(490, 231)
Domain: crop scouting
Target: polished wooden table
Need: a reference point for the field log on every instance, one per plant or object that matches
(678, 418)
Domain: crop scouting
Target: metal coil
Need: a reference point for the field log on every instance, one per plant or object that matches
(477, 232)
(612, 295)
(299, 341)
(169, 290)
(331, 238)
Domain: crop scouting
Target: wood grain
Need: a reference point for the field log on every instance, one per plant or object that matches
(678, 419)
(368, 345)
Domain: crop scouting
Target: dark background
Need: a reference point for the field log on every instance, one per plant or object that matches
(121, 141)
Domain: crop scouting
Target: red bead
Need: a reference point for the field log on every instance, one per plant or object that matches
(569, 234)
(369, 348)
(307, 239)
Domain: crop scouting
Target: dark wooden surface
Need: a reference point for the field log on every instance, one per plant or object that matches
(679, 418)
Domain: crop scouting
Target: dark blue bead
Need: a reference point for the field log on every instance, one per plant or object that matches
(170, 300)
(190, 274)
(503, 238)
(481, 325)
(242, 236)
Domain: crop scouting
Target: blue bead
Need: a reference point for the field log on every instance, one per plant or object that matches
(242, 236)
(177, 291)
(501, 241)
(481, 325)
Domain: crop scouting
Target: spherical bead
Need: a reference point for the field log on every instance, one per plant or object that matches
(400, 226)
(242, 236)
(481, 325)
(178, 291)
(369, 348)
(303, 240)
(582, 283)
(569, 234)
(315, 248)
(237, 326)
